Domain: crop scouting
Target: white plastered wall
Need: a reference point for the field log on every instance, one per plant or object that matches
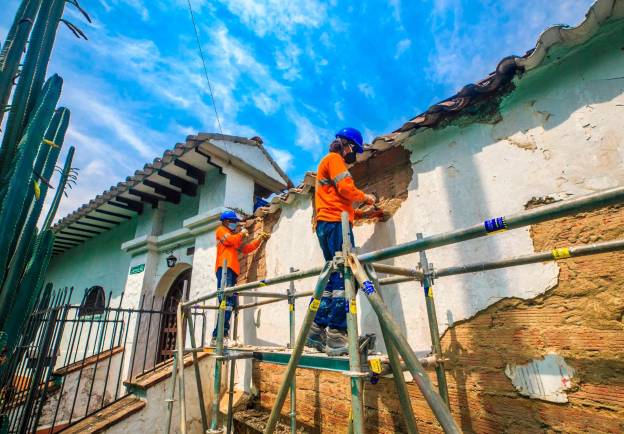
(560, 136)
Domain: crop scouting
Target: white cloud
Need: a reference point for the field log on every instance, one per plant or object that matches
(367, 90)
(283, 158)
(396, 11)
(137, 5)
(338, 109)
(401, 47)
(276, 16)
(288, 60)
(266, 104)
(466, 50)
(308, 134)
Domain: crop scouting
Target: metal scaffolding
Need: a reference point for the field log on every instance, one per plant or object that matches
(360, 273)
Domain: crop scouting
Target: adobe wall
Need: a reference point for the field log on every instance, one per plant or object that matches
(532, 348)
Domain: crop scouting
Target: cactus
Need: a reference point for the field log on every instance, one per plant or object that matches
(56, 135)
(31, 80)
(20, 183)
(30, 148)
(14, 47)
(32, 282)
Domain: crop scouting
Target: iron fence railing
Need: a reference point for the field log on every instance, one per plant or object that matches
(69, 365)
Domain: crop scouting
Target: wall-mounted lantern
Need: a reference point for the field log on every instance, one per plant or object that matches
(171, 260)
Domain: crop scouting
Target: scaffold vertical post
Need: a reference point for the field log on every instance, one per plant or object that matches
(438, 406)
(198, 382)
(219, 350)
(172, 386)
(357, 385)
(298, 349)
(230, 415)
(180, 344)
(395, 365)
(293, 383)
(427, 284)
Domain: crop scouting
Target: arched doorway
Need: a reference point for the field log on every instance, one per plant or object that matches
(168, 328)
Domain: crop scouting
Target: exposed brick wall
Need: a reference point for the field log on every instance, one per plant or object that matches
(388, 175)
(581, 319)
(253, 266)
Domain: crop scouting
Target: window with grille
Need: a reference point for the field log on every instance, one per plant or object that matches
(94, 302)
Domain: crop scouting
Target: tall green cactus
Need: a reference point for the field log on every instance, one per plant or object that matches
(31, 79)
(55, 135)
(32, 282)
(13, 48)
(15, 200)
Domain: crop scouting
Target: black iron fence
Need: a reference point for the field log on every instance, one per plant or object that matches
(70, 363)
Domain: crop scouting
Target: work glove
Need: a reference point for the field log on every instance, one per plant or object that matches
(370, 199)
(244, 231)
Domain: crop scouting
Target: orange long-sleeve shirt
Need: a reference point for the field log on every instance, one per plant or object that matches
(335, 189)
(229, 245)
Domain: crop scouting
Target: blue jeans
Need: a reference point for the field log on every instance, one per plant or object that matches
(230, 301)
(332, 311)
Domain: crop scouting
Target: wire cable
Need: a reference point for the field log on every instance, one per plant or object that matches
(201, 54)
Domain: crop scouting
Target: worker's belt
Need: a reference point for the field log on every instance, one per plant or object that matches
(336, 180)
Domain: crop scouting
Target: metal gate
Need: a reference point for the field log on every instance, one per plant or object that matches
(71, 362)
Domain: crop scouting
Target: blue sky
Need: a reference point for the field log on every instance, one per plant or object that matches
(292, 71)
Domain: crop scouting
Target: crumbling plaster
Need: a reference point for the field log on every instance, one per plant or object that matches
(556, 136)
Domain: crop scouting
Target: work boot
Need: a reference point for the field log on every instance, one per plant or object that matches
(316, 337)
(337, 342)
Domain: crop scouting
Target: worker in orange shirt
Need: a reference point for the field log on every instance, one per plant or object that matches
(335, 193)
(230, 239)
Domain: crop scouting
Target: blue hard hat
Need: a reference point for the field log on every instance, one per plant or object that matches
(354, 136)
(229, 215)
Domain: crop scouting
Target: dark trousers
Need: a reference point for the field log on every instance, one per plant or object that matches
(332, 310)
(231, 301)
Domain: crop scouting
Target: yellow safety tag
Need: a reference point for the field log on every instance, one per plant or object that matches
(353, 307)
(222, 306)
(430, 292)
(50, 143)
(208, 350)
(315, 305)
(561, 253)
(291, 307)
(375, 365)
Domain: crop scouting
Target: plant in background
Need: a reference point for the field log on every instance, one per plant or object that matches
(31, 143)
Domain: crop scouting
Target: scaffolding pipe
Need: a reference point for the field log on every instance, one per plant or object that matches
(438, 406)
(180, 343)
(525, 218)
(355, 366)
(198, 382)
(171, 392)
(232, 361)
(396, 368)
(216, 389)
(298, 349)
(552, 255)
(490, 226)
(413, 273)
(291, 328)
(262, 303)
(432, 318)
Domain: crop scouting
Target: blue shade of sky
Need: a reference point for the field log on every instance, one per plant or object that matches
(292, 71)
